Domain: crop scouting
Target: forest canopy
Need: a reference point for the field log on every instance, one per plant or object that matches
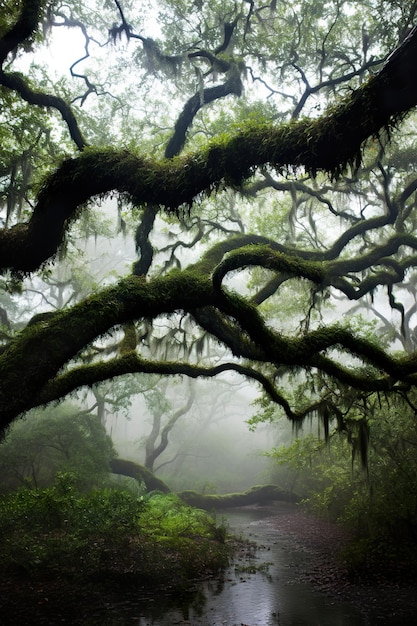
(261, 159)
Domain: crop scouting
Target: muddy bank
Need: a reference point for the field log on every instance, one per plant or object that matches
(384, 598)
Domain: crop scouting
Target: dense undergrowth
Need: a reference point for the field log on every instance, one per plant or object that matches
(108, 535)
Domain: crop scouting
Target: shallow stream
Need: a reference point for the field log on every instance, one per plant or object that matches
(261, 588)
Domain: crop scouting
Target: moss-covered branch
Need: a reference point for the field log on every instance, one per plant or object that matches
(49, 344)
(139, 473)
(328, 143)
(385, 269)
(43, 348)
(263, 256)
(24, 27)
(132, 363)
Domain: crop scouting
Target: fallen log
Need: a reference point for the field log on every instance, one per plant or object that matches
(260, 494)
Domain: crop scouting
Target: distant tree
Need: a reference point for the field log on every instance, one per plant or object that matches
(57, 439)
(164, 419)
(196, 436)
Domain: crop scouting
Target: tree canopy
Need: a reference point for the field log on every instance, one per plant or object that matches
(283, 169)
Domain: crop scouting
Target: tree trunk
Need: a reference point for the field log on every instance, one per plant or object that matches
(139, 473)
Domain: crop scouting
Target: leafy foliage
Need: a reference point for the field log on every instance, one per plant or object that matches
(62, 439)
(378, 504)
(167, 517)
(106, 533)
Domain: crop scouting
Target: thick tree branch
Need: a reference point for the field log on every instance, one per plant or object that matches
(328, 143)
(264, 257)
(23, 29)
(15, 83)
(228, 28)
(49, 344)
(25, 26)
(89, 375)
(232, 86)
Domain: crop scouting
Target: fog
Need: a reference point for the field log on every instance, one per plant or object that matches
(210, 448)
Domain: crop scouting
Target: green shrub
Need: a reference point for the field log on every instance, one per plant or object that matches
(166, 516)
(55, 439)
(378, 503)
(106, 533)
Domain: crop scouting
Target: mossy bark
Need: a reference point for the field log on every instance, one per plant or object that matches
(261, 494)
(328, 143)
(139, 473)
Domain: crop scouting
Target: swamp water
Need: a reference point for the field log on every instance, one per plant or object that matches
(260, 588)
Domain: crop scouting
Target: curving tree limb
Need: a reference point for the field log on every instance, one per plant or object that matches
(328, 143)
(47, 345)
(232, 86)
(23, 29)
(14, 82)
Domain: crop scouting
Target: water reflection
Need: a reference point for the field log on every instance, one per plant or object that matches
(247, 594)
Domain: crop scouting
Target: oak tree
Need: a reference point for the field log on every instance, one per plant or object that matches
(298, 116)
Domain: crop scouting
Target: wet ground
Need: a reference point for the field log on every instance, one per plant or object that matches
(288, 575)
(314, 565)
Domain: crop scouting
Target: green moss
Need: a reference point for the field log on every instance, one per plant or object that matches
(259, 494)
(230, 158)
(264, 256)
